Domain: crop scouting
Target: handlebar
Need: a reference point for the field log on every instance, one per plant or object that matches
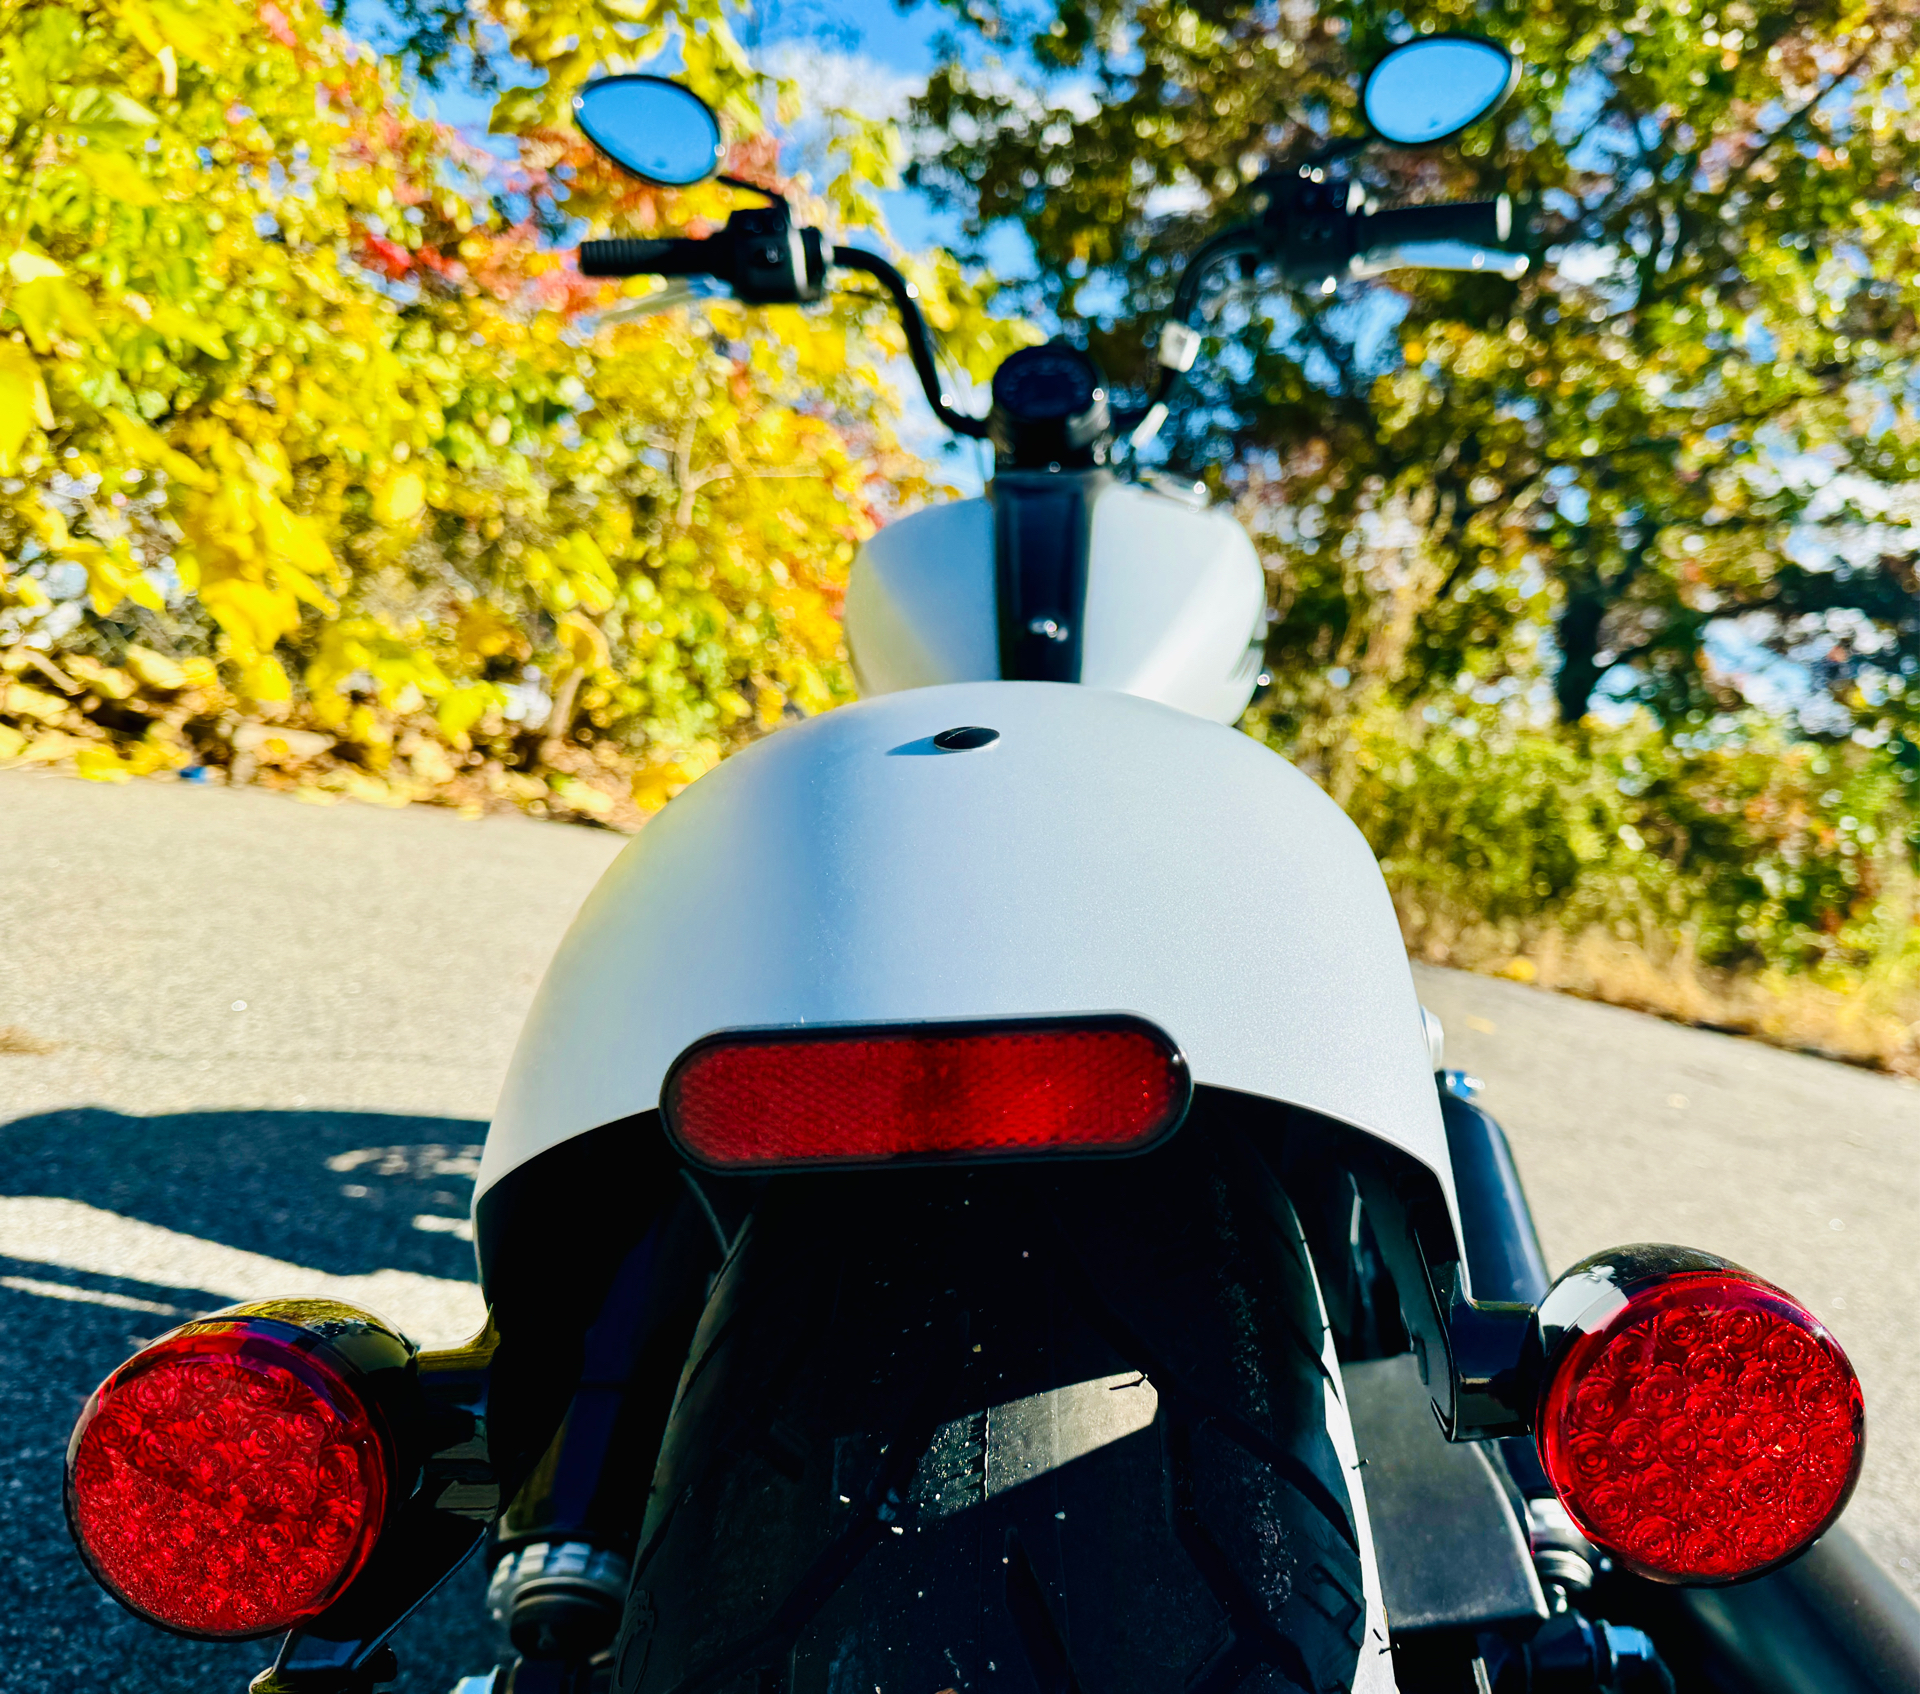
(1308, 230)
(1476, 223)
(1311, 229)
(919, 342)
(672, 257)
(678, 256)
(1467, 237)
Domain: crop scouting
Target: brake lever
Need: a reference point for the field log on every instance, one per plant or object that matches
(679, 291)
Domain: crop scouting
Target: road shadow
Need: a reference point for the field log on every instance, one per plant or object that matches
(285, 1184)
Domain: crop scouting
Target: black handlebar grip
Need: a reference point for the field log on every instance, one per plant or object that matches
(672, 257)
(1477, 223)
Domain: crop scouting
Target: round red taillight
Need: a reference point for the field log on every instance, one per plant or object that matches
(1698, 1424)
(227, 1481)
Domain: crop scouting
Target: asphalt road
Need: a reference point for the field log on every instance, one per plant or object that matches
(1629, 1129)
(272, 1036)
(249, 1046)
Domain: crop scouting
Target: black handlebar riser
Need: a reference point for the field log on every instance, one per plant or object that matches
(906, 300)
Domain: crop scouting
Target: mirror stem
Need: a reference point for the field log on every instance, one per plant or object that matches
(772, 194)
(1328, 152)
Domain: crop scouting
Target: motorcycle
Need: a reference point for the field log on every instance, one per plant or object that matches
(960, 1220)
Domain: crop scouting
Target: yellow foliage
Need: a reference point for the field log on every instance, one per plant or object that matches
(485, 632)
(106, 680)
(398, 497)
(118, 178)
(21, 700)
(330, 439)
(163, 675)
(657, 784)
(23, 401)
(583, 642)
(461, 708)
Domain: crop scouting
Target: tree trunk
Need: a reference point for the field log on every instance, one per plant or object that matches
(1578, 632)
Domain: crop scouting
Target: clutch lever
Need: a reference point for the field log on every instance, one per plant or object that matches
(1440, 256)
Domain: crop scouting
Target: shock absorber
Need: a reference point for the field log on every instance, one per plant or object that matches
(564, 1548)
(560, 1599)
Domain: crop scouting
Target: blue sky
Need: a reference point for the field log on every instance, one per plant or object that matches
(899, 40)
(864, 53)
(859, 34)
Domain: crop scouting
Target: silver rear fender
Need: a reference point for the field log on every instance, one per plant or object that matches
(1101, 853)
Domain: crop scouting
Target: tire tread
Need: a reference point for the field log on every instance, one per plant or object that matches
(1222, 1530)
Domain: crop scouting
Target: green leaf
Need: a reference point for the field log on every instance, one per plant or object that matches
(51, 43)
(118, 177)
(194, 36)
(178, 324)
(109, 117)
(24, 266)
(516, 110)
(23, 401)
(51, 305)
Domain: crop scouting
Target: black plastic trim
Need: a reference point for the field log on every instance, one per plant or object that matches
(1042, 539)
(551, 1236)
(429, 1536)
(1504, 1257)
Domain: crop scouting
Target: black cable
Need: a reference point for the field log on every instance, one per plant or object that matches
(1228, 244)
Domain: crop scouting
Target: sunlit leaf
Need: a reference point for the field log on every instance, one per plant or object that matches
(181, 324)
(118, 178)
(108, 117)
(23, 401)
(399, 497)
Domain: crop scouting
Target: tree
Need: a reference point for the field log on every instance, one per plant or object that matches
(317, 451)
(1694, 408)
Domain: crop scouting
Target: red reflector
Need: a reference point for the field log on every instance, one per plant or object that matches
(1105, 1085)
(226, 1483)
(1705, 1431)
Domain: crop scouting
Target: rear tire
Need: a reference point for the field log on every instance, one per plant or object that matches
(1073, 1428)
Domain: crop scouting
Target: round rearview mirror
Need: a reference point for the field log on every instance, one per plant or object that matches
(1432, 88)
(661, 132)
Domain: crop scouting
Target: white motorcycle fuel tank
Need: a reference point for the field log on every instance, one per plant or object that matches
(1175, 605)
